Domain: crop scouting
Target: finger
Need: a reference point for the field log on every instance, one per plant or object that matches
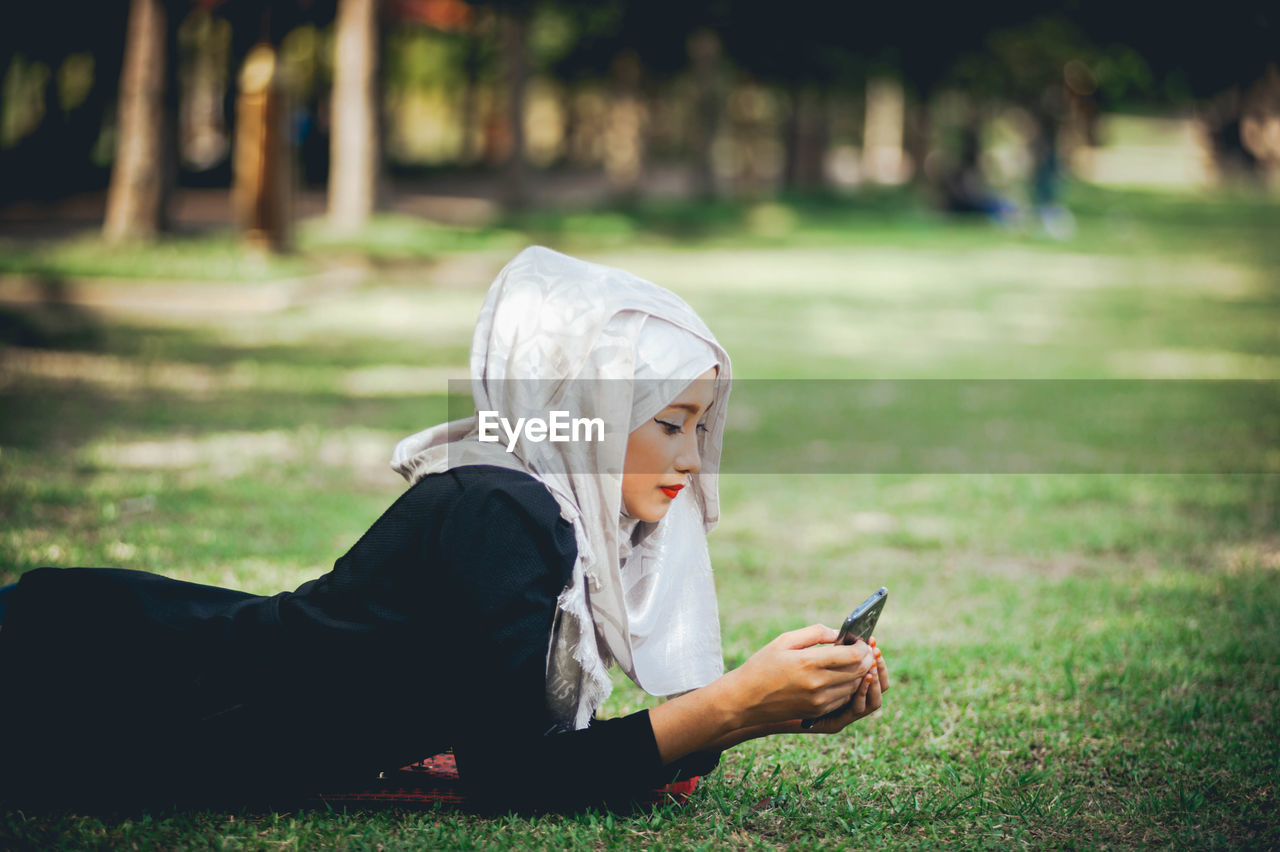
(806, 636)
(845, 680)
(860, 698)
(853, 657)
(882, 669)
(838, 698)
(873, 694)
(836, 701)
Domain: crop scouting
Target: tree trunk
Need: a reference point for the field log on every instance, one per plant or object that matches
(137, 197)
(515, 26)
(355, 150)
(806, 140)
(704, 54)
(469, 110)
(918, 138)
(262, 192)
(202, 81)
(882, 159)
(624, 148)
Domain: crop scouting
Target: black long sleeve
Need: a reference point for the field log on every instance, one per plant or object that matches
(507, 565)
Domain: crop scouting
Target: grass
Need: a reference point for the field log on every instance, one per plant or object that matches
(1134, 223)
(206, 257)
(1079, 660)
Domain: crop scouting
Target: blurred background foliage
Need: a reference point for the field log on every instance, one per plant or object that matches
(488, 107)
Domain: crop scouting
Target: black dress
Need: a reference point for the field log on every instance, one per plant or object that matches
(431, 632)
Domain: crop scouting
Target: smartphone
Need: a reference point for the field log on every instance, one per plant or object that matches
(863, 619)
(857, 626)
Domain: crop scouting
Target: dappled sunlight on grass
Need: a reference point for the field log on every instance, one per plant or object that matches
(1193, 364)
(211, 257)
(122, 375)
(390, 236)
(416, 315)
(989, 312)
(228, 454)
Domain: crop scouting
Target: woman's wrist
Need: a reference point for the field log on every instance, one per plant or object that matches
(734, 700)
(755, 732)
(692, 722)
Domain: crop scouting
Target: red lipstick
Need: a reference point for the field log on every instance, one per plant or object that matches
(670, 490)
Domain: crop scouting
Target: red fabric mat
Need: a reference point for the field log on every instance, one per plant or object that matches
(435, 779)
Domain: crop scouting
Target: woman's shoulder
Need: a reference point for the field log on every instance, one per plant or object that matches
(486, 501)
(475, 485)
(503, 516)
(470, 501)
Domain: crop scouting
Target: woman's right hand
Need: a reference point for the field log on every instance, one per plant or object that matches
(800, 675)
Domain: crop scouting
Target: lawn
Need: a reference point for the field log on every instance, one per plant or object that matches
(1079, 659)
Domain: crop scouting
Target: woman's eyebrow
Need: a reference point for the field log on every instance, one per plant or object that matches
(689, 406)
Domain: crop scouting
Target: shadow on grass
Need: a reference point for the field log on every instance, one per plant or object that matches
(320, 350)
(70, 415)
(199, 255)
(688, 222)
(52, 320)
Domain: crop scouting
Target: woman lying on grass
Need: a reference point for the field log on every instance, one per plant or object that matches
(481, 612)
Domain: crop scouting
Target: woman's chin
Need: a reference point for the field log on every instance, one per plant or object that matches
(650, 512)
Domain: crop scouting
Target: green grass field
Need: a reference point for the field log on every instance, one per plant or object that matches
(1079, 660)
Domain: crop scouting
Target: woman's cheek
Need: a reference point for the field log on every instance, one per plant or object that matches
(641, 497)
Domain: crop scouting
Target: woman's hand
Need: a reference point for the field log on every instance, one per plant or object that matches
(865, 701)
(801, 674)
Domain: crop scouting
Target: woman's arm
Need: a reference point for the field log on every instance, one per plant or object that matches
(787, 680)
(503, 596)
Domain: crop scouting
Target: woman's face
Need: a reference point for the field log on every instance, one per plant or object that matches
(663, 451)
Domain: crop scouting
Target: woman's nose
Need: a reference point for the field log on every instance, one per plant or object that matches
(689, 460)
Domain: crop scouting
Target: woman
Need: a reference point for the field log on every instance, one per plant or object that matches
(480, 612)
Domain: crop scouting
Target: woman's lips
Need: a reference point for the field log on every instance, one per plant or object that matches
(670, 490)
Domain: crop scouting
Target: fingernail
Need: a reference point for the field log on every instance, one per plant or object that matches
(877, 653)
(873, 641)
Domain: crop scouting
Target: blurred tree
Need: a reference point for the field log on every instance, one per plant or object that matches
(262, 191)
(203, 43)
(140, 177)
(637, 50)
(706, 57)
(1212, 57)
(626, 122)
(356, 141)
(1026, 64)
(270, 22)
(514, 34)
(473, 61)
(810, 53)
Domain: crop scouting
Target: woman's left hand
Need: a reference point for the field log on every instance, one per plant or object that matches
(866, 700)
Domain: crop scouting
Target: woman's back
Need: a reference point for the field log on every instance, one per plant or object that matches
(146, 686)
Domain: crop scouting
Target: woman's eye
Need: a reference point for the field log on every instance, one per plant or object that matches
(702, 427)
(669, 428)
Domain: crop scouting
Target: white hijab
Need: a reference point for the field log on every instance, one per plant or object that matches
(557, 333)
